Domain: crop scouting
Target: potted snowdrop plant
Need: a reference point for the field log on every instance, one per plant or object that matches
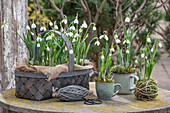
(51, 54)
(104, 82)
(146, 87)
(124, 70)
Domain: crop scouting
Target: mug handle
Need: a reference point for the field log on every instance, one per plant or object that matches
(117, 84)
(135, 77)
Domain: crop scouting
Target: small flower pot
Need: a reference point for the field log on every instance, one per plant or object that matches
(105, 91)
(126, 81)
(146, 90)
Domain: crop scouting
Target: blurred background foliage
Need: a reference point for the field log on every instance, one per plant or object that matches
(145, 18)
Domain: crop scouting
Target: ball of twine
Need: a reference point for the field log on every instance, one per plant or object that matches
(146, 90)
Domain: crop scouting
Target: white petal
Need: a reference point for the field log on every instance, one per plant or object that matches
(76, 21)
(51, 24)
(94, 28)
(142, 55)
(127, 41)
(32, 33)
(127, 19)
(159, 44)
(38, 45)
(117, 41)
(127, 51)
(71, 51)
(101, 36)
(80, 30)
(33, 26)
(28, 27)
(113, 50)
(102, 57)
(136, 61)
(148, 40)
(97, 43)
(152, 50)
(74, 40)
(55, 27)
(48, 49)
(106, 37)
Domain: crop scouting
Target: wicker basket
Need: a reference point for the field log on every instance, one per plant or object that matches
(34, 86)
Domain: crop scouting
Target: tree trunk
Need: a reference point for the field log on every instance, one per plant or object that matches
(12, 48)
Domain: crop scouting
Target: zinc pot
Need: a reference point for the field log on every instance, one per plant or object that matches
(105, 91)
(126, 81)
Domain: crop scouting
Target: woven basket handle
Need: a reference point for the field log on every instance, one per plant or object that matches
(69, 46)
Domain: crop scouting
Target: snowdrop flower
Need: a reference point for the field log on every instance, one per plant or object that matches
(51, 24)
(62, 29)
(80, 30)
(116, 36)
(118, 41)
(4, 26)
(28, 27)
(71, 51)
(101, 36)
(97, 43)
(127, 41)
(32, 33)
(70, 34)
(152, 50)
(67, 34)
(159, 44)
(102, 57)
(48, 49)
(127, 51)
(136, 61)
(145, 57)
(65, 48)
(74, 40)
(55, 27)
(84, 25)
(42, 29)
(52, 35)
(124, 42)
(110, 54)
(113, 50)
(76, 21)
(142, 55)
(94, 28)
(106, 37)
(33, 26)
(64, 21)
(148, 40)
(76, 35)
(38, 45)
(39, 39)
(127, 19)
(72, 28)
(49, 37)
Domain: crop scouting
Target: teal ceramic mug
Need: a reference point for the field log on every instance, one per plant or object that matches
(105, 91)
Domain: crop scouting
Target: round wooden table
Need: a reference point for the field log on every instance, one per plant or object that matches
(119, 103)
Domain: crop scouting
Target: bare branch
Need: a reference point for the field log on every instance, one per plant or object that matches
(55, 7)
(165, 9)
(168, 40)
(83, 5)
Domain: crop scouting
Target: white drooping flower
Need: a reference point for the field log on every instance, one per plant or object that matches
(106, 37)
(64, 21)
(39, 39)
(102, 57)
(101, 36)
(52, 35)
(62, 29)
(74, 40)
(33, 26)
(127, 41)
(65, 48)
(113, 50)
(124, 42)
(28, 27)
(71, 51)
(76, 35)
(148, 40)
(84, 25)
(159, 44)
(118, 41)
(32, 33)
(142, 55)
(145, 57)
(127, 51)
(116, 36)
(80, 30)
(51, 24)
(42, 29)
(97, 43)
(72, 28)
(152, 50)
(70, 34)
(76, 21)
(94, 28)
(48, 49)
(127, 19)
(55, 27)
(49, 37)
(38, 45)
(136, 61)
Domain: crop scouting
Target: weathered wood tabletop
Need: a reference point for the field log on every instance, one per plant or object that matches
(119, 103)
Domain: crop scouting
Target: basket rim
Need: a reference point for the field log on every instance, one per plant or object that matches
(43, 76)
